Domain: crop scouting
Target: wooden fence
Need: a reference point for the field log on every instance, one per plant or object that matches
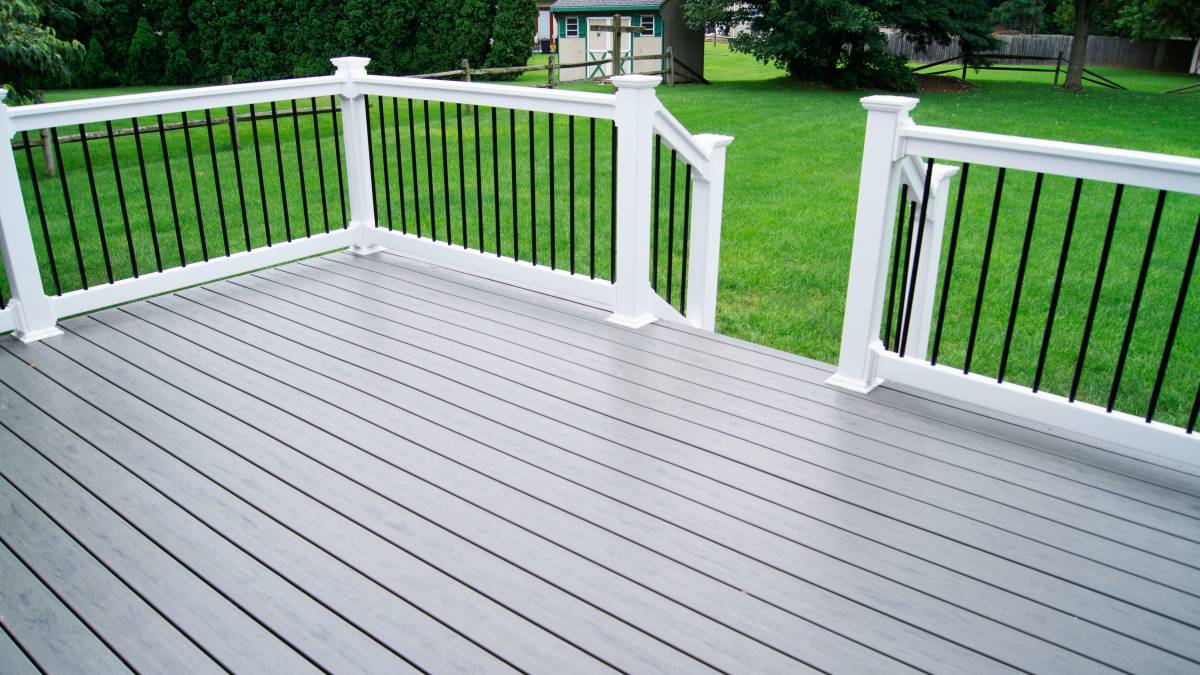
(1173, 55)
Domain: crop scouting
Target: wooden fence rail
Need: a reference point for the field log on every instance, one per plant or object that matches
(1173, 55)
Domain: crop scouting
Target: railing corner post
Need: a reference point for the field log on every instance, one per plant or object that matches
(32, 310)
(878, 184)
(704, 254)
(358, 156)
(635, 108)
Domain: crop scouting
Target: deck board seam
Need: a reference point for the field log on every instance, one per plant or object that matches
(20, 647)
(988, 552)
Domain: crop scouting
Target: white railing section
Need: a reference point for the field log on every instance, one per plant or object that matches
(892, 155)
(31, 313)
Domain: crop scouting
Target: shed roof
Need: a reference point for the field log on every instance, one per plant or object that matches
(592, 5)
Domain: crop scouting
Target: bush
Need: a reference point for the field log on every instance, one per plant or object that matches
(145, 61)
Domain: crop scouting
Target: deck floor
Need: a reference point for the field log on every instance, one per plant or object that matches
(373, 464)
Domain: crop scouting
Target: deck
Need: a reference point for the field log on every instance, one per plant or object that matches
(374, 464)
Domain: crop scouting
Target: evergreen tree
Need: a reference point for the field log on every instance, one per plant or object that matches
(178, 68)
(145, 61)
(513, 29)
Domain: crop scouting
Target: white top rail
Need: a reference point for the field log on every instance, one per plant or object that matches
(682, 141)
(83, 111)
(1114, 165)
(582, 104)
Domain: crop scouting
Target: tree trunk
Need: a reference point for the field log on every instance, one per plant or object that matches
(1083, 23)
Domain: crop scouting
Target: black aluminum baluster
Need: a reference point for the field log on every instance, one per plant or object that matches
(898, 239)
(655, 227)
(553, 198)
(212, 152)
(162, 137)
(137, 140)
(62, 179)
(446, 175)
(592, 198)
(671, 227)
(316, 125)
(983, 270)
(187, 142)
(300, 169)
(905, 259)
(462, 175)
(337, 151)
(1021, 266)
(512, 157)
(496, 181)
(1063, 254)
(1191, 423)
(532, 194)
(1180, 300)
(687, 236)
(958, 207)
(387, 179)
(478, 175)
(237, 169)
(612, 204)
(87, 162)
(429, 176)
(1091, 315)
(371, 161)
(283, 198)
(916, 256)
(41, 209)
(571, 184)
(400, 165)
(416, 182)
(1136, 303)
(112, 152)
(262, 185)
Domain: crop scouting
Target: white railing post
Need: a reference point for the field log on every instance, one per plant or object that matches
(635, 108)
(920, 325)
(704, 249)
(34, 316)
(877, 188)
(358, 157)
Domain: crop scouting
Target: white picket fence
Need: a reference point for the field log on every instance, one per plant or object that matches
(31, 314)
(892, 156)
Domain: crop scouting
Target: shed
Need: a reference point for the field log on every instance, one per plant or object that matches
(663, 26)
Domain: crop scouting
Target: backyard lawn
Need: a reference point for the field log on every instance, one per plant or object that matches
(791, 186)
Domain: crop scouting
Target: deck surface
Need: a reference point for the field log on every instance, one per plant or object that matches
(371, 464)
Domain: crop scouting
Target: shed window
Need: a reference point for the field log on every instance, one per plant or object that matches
(648, 27)
(571, 26)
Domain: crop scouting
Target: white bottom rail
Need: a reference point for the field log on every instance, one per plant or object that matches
(1051, 410)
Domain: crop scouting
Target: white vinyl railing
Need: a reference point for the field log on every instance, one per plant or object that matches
(31, 312)
(892, 158)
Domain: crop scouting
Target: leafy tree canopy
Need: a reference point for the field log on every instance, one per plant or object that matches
(31, 53)
(841, 42)
(1150, 19)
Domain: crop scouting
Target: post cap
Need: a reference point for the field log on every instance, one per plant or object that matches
(893, 104)
(637, 81)
(353, 64)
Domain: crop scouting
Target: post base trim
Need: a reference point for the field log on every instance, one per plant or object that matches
(851, 384)
(358, 249)
(632, 321)
(31, 337)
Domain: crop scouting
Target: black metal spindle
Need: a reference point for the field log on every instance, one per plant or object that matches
(112, 153)
(412, 147)
(137, 141)
(462, 175)
(337, 151)
(671, 228)
(41, 209)
(612, 203)
(371, 160)
(1099, 283)
(262, 185)
(553, 198)
(983, 270)
(905, 260)
(62, 179)
(687, 236)
(1021, 266)
(445, 175)
(1180, 300)
(532, 195)
(162, 138)
(1136, 303)
(916, 257)
(237, 169)
(654, 226)
(316, 126)
(898, 239)
(187, 142)
(400, 165)
(212, 152)
(571, 184)
(592, 197)
(478, 176)
(1191, 423)
(87, 162)
(1063, 254)
(496, 181)
(958, 208)
(387, 179)
(429, 175)
(300, 169)
(512, 163)
(283, 198)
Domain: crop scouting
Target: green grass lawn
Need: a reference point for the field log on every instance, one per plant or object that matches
(791, 185)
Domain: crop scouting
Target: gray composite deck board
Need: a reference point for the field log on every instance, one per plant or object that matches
(373, 463)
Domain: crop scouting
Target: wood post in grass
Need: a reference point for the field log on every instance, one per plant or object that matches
(1057, 67)
(229, 112)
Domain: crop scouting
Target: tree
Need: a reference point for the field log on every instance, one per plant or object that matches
(1026, 15)
(1087, 17)
(31, 53)
(1157, 19)
(145, 62)
(513, 29)
(840, 42)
